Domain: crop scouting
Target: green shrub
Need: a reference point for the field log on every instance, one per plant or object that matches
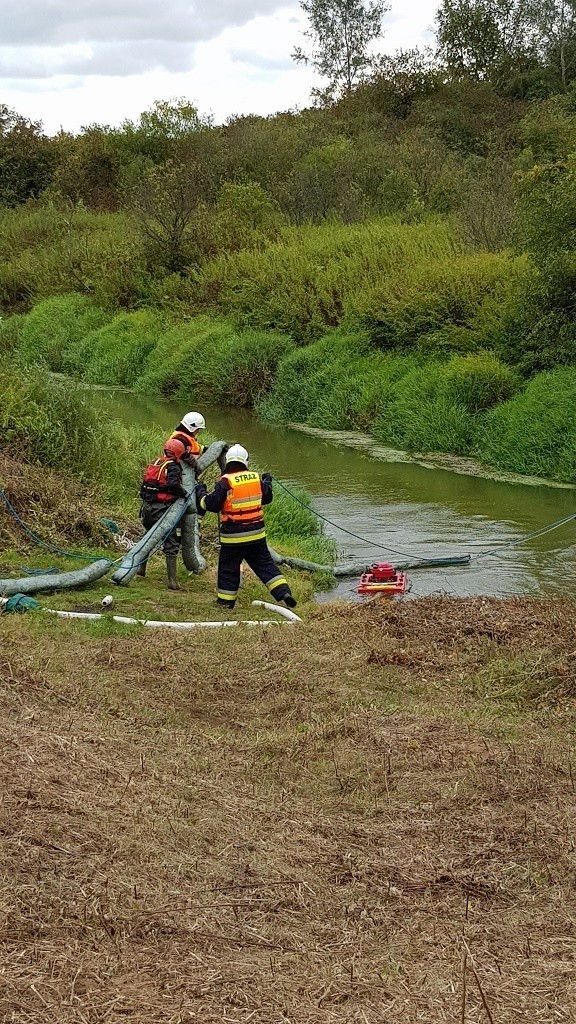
(207, 358)
(478, 382)
(534, 432)
(315, 277)
(51, 423)
(441, 305)
(52, 250)
(115, 353)
(55, 327)
(435, 405)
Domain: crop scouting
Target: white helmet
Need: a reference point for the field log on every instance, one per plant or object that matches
(236, 453)
(193, 421)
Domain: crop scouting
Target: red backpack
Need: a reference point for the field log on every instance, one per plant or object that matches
(155, 476)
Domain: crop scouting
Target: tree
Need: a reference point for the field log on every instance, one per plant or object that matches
(556, 24)
(163, 203)
(340, 35)
(486, 39)
(26, 158)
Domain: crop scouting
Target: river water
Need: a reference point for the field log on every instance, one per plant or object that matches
(416, 510)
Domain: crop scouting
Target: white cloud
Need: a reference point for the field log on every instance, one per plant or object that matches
(105, 61)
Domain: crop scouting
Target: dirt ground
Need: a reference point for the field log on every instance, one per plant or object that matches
(366, 818)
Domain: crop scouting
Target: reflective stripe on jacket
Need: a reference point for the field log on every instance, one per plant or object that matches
(239, 496)
(241, 514)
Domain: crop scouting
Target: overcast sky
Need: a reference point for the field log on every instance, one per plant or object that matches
(69, 63)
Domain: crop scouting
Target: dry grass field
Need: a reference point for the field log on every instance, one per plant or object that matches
(367, 818)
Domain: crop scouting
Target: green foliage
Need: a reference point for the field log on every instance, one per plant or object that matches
(430, 405)
(314, 277)
(548, 130)
(535, 432)
(244, 217)
(209, 359)
(47, 251)
(335, 383)
(26, 158)
(56, 326)
(51, 423)
(438, 304)
(340, 34)
(545, 326)
(486, 40)
(116, 352)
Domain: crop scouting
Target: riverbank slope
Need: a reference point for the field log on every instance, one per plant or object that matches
(365, 817)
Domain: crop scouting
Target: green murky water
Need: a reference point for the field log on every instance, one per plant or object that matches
(416, 510)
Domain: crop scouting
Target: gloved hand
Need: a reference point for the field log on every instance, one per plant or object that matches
(266, 478)
(201, 491)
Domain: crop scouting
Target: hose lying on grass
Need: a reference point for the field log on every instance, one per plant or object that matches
(21, 603)
(57, 581)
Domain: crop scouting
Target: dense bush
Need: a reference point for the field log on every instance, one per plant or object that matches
(50, 423)
(207, 358)
(315, 277)
(56, 327)
(337, 382)
(115, 353)
(408, 402)
(47, 250)
(535, 432)
(439, 305)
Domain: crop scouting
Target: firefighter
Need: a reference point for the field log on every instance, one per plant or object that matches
(187, 432)
(161, 486)
(239, 496)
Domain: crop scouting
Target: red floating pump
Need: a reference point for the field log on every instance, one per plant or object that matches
(383, 578)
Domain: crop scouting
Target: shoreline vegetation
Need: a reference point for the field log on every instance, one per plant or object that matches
(466, 405)
(428, 460)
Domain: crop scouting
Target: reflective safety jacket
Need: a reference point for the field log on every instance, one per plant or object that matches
(190, 443)
(239, 496)
(162, 481)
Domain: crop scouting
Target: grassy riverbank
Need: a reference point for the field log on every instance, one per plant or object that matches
(406, 338)
(63, 469)
(366, 817)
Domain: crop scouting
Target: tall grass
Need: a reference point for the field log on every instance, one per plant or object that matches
(51, 423)
(535, 432)
(441, 305)
(407, 402)
(435, 406)
(54, 328)
(314, 277)
(209, 359)
(116, 353)
(46, 250)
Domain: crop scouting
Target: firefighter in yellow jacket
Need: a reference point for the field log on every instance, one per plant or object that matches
(239, 496)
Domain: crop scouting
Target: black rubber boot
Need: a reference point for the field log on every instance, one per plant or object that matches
(290, 601)
(221, 603)
(171, 572)
(141, 570)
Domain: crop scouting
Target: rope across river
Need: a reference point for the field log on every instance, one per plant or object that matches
(423, 561)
